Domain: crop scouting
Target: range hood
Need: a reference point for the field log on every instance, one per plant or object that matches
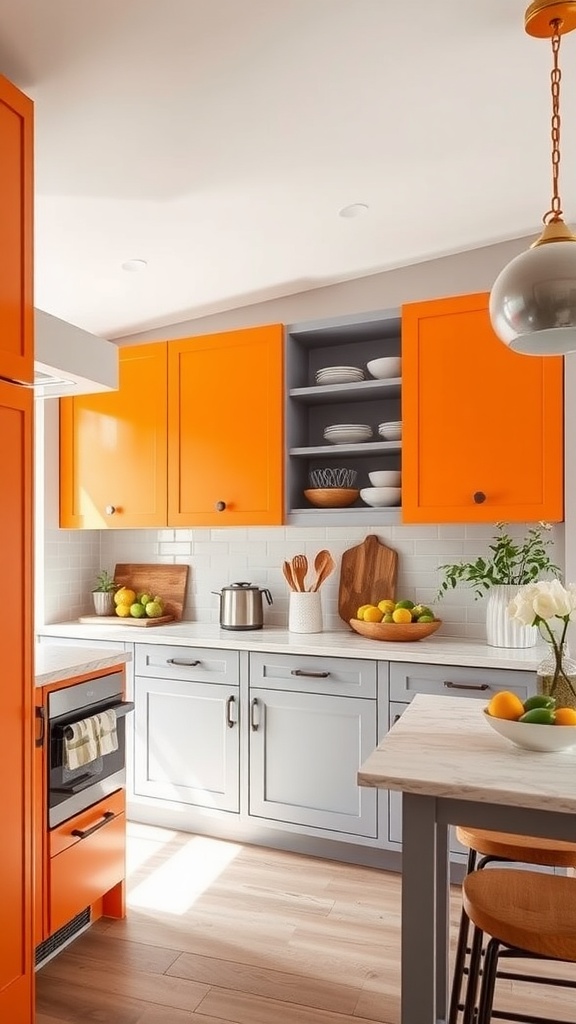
(70, 361)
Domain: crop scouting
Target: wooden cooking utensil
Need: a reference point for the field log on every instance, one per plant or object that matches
(299, 570)
(287, 570)
(324, 564)
(367, 575)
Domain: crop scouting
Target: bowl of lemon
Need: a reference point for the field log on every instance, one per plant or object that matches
(534, 724)
(395, 621)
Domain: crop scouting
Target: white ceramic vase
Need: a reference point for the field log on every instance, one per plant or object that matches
(103, 602)
(501, 630)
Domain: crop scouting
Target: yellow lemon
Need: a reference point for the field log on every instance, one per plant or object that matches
(361, 610)
(373, 614)
(123, 610)
(387, 605)
(124, 596)
(402, 615)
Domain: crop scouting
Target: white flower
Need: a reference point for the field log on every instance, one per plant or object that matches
(543, 601)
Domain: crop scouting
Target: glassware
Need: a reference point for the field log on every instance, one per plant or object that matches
(557, 677)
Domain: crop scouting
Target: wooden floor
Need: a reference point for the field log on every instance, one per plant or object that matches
(218, 933)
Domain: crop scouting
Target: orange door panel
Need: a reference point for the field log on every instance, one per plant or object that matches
(16, 748)
(482, 436)
(225, 429)
(16, 188)
(87, 869)
(113, 448)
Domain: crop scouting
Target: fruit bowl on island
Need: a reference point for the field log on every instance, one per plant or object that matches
(400, 632)
(545, 738)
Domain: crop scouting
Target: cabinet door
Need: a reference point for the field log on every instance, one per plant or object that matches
(482, 426)
(113, 448)
(305, 752)
(16, 935)
(186, 742)
(225, 429)
(16, 197)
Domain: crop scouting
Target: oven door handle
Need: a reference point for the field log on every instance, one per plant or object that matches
(123, 709)
(83, 833)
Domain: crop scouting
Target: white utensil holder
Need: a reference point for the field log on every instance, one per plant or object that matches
(305, 612)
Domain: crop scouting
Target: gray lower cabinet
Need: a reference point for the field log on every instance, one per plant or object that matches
(406, 680)
(305, 751)
(186, 729)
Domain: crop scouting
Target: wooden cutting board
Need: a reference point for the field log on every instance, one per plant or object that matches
(167, 581)
(367, 575)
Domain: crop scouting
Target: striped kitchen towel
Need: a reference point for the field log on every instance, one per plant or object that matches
(105, 731)
(80, 744)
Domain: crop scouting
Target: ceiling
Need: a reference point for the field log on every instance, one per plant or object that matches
(218, 140)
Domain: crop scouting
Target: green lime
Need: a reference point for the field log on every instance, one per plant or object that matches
(540, 700)
(405, 604)
(538, 716)
(425, 618)
(137, 610)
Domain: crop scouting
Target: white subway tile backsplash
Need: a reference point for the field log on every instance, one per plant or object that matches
(220, 556)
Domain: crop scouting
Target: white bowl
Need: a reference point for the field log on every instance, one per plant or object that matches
(390, 431)
(380, 497)
(545, 738)
(388, 366)
(385, 478)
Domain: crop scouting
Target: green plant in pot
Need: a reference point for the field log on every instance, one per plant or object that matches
(509, 565)
(103, 593)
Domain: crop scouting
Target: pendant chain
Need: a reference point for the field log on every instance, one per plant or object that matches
(555, 211)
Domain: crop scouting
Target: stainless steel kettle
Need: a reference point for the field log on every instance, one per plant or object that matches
(241, 606)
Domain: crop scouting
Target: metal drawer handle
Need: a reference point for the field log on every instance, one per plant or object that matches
(229, 720)
(309, 675)
(253, 722)
(467, 686)
(83, 833)
(396, 717)
(182, 662)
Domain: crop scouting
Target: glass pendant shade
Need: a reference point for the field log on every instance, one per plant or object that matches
(533, 300)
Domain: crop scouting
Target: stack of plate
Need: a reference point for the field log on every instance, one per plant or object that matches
(391, 431)
(348, 433)
(339, 375)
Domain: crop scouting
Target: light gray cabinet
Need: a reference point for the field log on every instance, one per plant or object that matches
(343, 341)
(186, 727)
(406, 680)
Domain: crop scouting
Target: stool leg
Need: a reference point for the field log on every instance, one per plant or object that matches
(461, 950)
(488, 982)
(473, 976)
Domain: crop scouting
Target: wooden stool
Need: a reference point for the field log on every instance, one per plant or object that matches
(528, 913)
(496, 847)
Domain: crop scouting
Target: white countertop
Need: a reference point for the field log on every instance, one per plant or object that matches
(442, 747)
(436, 650)
(52, 664)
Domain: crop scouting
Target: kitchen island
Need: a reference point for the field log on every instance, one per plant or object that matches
(452, 769)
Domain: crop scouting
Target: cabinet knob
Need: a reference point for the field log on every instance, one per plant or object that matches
(110, 510)
(220, 506)
(479, 497)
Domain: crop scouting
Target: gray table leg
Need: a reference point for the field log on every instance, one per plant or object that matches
(424, 912)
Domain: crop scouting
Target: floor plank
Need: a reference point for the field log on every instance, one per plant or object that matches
(218, 933)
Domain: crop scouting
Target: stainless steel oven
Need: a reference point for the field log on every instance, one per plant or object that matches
(72, 790)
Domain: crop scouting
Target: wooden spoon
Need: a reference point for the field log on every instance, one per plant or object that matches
(324, 565)
(299, 570)
(287, 570)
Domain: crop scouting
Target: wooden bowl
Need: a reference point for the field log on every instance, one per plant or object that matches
(331, 497)
(395, 631)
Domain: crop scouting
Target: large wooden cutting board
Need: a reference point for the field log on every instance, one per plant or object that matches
(367, 575)
(168, 581)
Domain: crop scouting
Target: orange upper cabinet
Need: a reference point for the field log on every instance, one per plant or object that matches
(482, 436)
(113, 448)
(225, 429)
(16, 194)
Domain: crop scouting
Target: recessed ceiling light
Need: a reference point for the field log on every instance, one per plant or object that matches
(134, 265)
(354, 210)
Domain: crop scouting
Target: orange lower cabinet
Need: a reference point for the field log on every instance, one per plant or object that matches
(225, 435)
(92, 864)
(482, 427)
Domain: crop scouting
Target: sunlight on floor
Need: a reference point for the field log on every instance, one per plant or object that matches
(174, 886)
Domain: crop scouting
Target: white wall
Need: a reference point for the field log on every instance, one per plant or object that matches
(218, 557)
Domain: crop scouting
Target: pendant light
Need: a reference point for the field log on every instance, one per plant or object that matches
(533, 300)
